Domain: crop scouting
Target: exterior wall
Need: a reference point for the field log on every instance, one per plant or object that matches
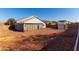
(33, 26)
(62, 26)
(44, 25)
(19, 27)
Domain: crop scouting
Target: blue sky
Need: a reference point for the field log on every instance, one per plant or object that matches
(71, 14)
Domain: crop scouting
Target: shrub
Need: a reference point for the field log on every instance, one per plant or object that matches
(10, 21)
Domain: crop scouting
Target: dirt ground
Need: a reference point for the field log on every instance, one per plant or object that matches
(64, 41)
(45, 39)
(13, 40)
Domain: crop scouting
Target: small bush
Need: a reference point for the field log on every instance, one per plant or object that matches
(10, 21)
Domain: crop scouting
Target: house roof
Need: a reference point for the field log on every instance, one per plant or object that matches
(31, 19)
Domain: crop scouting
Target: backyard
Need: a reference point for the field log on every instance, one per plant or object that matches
(48, 39)
(13, 40)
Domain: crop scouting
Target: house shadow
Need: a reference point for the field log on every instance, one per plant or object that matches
(12, 28)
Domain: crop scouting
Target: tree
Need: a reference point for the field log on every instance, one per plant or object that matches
(10, 21)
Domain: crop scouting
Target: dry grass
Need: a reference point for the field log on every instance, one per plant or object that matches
(11, 40)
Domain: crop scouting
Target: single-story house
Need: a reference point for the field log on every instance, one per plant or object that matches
(62, 24)
(29, 23)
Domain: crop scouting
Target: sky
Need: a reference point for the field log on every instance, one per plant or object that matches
(52, 14)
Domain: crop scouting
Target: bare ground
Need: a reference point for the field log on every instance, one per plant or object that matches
(64, 41)
(32, 40)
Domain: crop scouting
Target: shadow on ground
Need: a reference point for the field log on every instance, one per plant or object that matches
(12, 28)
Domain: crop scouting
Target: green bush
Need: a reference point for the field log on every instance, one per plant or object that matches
(10, 21)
